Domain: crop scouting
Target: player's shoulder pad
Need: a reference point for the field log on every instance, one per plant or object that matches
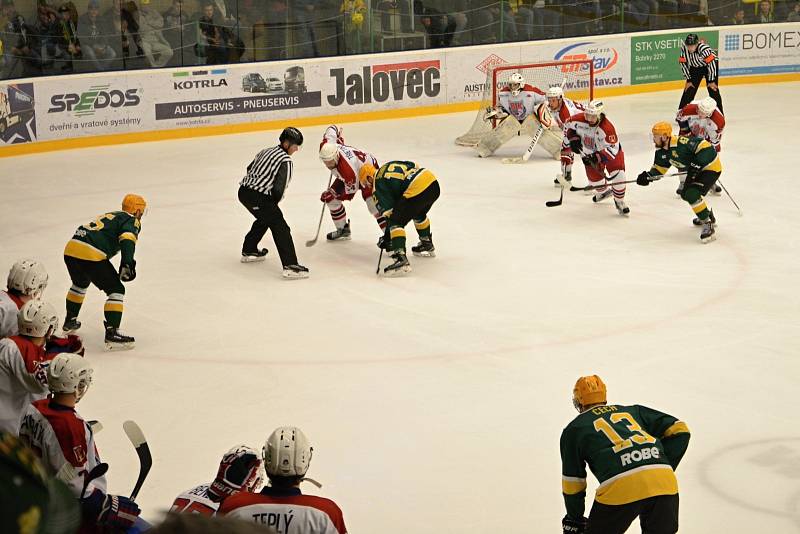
(608, 128)
(31, 354)
(70, 431)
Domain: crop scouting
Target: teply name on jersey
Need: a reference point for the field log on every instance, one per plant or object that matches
(377, 83)
(604, 59)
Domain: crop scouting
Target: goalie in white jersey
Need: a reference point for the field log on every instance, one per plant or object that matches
(239, 470)
(345, 163)
(27, 280)
(561, 109)
(521, 110)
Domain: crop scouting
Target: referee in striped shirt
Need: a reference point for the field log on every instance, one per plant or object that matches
(268, 176)
(699, 61)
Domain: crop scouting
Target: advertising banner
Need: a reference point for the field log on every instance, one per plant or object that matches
(654, 58)
(762, 49)
(17, 113)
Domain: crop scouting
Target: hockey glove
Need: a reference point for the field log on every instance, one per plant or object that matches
(592, 160)
(385, 242)
(644, 178)
(573, 526)
(70, 343)
(575, 145)
(494, 113)
(118, 512)
(127, 272)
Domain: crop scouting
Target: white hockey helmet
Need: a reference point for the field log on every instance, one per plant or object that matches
(37, 318)
(594, 109)
(518, 80)
(707, 106)
(555, 92)
(287, 452)
(329, 152)
(69, 373)
(28, 277)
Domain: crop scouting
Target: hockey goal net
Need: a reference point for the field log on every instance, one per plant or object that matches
(576, 76)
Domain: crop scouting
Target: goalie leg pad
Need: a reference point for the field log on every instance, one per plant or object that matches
(505, 131)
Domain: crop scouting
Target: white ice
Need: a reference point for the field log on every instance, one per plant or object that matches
(435, 402)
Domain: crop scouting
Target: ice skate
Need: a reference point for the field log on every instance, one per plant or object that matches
(708, 233)
(71, 325)
(257, 255)
(699, 222)
(622, 209)
(295, 272)
(116, 340)
(424, 248)
(400, 265)
(599, 197)
(340, 234)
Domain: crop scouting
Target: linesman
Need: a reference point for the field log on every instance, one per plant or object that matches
(260, 191)
(698, 61)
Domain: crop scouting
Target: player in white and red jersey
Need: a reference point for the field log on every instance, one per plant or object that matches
(561, 109)
(239, 470)
(345, 162)
(287, 454)
(65, 443)
(703, 119)
(521, 109)
(23, 362)
(592, 135)
(27, 280)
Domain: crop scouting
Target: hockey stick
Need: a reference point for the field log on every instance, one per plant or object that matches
(96, 426)
(730, 197)
(563, 183)
(139, 442)
(600, 186)
(96, 472)
(380, 258)
(528, 151)
(312, 242)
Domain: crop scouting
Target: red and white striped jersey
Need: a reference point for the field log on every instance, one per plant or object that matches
(350, 160)
(9, 310)
(523, 104)
(567, 109)
(287, 511)
(60, 436)
(23, 379)
(195, 501)
(709, 128)
(600, 138)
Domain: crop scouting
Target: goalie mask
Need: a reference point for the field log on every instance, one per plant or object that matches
(240, 470)
(515, 83)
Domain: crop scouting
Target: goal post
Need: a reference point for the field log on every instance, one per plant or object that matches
(577, 76)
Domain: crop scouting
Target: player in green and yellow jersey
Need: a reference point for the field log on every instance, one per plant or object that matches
(633, 452)
(403, 192)
(699, 159)
(87, 257)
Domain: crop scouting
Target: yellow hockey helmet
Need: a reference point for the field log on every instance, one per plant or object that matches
(588, 390)
(134, 204)
(662, 128)
(366, 176)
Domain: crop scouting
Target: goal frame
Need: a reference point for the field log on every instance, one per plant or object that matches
(563, 64)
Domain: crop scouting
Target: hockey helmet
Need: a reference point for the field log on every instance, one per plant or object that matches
(37, 318)
(134, 204)
(707, 106)
(240, 470)
(287, 452)
(329, 152)
(292, 135)
(27, 277)
(662, 128)
(366, 175)
(517, 80)
(69, 373)
(594, 109)
(588, 390)
(555, 92)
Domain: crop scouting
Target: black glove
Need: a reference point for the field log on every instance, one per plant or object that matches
(683, 127)
(575, 145)
(127, 271)
(385, 241)
(573, 526)
(592, 160)
(643, 178)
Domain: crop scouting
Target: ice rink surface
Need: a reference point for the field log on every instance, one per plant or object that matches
(435, 402)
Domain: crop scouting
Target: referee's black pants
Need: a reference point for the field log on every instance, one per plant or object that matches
(696, 75)
(268, 217)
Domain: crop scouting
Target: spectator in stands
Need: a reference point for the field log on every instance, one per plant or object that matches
(94, 33)
(738, 17)
(353, 13)
(456, 10)
(523, 14)
(69, 42)
(177, 32)
(122, 18)
(154, 45)
(47, 29)
(395, 15)
(19, 44)
(438, 25)
(302, 12)
(794, 14)
(765, 12)
(217, 39)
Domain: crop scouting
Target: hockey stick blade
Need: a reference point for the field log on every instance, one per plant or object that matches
(528, 151)
(563, 183)
(139, 442)
(96, 472)
(95, 425)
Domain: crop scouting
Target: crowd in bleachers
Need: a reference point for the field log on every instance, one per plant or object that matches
(45, 37)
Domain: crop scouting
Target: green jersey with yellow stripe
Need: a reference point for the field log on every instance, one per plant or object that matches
(102, 238)
(398, 179)
(686, 153)
(632, 451)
